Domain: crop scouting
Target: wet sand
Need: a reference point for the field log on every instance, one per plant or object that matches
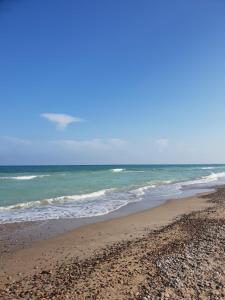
(167, 252)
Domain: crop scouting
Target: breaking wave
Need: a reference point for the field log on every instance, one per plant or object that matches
(141, 191)
(117, 170)
(56, 200)
(205, 179)
(25, 177)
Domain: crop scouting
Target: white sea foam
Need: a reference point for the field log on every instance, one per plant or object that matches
(142, 190)
(25, 177)
(117, 170)
(205, 179)
(56, 200)
(100, 203)
(91, 210)
(215, 175)
(134, 171)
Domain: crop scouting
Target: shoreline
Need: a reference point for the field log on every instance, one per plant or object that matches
(17, 235)
(19, 240)
(33, 231)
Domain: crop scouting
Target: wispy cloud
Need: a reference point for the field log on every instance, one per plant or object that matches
(92, 144)
(63, 151)
(61, 120)
(15, 140)
(16, 150)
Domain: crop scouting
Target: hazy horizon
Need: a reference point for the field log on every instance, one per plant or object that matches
(114, 164)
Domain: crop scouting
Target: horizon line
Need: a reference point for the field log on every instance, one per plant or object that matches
(113, 164)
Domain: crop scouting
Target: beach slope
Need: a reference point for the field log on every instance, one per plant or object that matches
(175, 251)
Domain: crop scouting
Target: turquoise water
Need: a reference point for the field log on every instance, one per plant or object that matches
(52, 192)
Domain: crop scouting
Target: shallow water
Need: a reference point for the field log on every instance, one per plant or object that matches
(53, 192)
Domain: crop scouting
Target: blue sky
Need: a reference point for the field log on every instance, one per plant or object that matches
(85, 82)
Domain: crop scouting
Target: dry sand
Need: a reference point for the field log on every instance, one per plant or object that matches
(174, 251)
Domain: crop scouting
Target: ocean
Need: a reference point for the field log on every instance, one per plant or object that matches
(31, 193)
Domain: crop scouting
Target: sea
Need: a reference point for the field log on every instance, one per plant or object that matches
(33, 193)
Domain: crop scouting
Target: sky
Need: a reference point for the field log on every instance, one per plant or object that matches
(112, 82)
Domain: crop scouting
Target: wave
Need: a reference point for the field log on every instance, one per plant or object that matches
(205, 179)
(141, 191)
(92, 210)
(25, 177)
(215, 176)
(134, 171)
(56, 200)
(117, 170)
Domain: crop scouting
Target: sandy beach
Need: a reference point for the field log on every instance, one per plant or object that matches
(173, 251)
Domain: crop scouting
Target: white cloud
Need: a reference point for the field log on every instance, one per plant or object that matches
(162, 144)
(61, 120)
